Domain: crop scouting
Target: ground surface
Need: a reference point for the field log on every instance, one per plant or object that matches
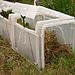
(11, 63)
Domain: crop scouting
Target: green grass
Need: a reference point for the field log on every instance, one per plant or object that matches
(62, 66)
(65, 6)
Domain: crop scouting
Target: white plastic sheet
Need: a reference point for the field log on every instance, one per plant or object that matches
(6, 5)
(4, 28)
(25, 42)
(32, 11)
(30, 43)
(25, 9)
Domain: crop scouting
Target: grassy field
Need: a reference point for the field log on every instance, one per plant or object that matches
(65, 6)
(11, 63)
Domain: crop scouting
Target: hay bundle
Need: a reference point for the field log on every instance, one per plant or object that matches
(53, 48)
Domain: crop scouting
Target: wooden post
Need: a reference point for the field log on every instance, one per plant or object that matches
(36, 2)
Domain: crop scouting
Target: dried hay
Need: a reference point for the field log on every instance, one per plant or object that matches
(53, 48)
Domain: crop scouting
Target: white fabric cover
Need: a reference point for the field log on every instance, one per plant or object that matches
(30, 43)
(4, 28)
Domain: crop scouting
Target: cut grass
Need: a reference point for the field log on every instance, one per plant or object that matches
(64, 66)
(11, 63)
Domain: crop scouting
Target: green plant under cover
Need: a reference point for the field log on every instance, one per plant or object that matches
(6, 13)
(22, 22)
